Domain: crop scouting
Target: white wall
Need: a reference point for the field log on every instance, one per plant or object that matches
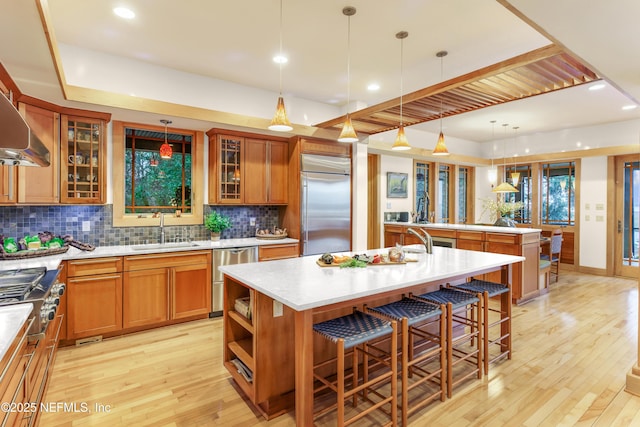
(593, 212)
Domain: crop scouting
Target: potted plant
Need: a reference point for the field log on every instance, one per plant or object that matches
(501, 211)
(216, 223)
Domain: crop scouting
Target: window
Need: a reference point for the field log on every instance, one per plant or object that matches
(132, 171)
(525, 187)
(465, 180)
(558, 193)
(152, 183)
(444, 175)
(422, 198)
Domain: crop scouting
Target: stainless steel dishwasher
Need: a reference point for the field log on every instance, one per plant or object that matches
(227, 256)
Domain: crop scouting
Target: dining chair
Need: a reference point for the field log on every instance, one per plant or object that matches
(554, 253)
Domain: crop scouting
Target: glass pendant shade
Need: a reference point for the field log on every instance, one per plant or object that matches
(348, 133)
(515, 178)
(280, 122)
(401, 141)
(505, 187)
(165, 149)
(440, 148)
(492, 175)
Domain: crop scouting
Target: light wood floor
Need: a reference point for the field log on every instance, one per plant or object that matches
(572, 351)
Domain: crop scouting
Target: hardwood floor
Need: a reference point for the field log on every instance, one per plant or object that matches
(572, 350)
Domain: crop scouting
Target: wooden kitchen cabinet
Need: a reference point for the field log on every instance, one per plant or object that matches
(40, 185)
(393, 235)
(266, 163)
(8, 185)
(247, 169)
(271, 389)
(83, 160)
(470, 240)
(14, 369)
(94, 300)
(180, 289)
(271, 252)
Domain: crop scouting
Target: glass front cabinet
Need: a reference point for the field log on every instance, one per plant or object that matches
(83, 160)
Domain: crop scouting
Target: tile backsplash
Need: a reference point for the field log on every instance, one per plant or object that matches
(18, 221)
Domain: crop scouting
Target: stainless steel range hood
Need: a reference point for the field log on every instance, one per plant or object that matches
(19, 146)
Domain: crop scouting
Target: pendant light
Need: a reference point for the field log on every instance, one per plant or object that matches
(440, 148)
(505, 187)
(515, 175)
(493, 172)
(165, 149)
(401, 142)
(280, 122)
(348, 133)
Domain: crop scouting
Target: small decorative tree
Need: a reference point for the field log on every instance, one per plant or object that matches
(500, 211)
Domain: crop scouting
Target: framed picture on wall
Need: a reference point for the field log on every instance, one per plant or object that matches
(397, 184)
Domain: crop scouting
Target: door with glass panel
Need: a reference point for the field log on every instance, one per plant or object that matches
(627, 216)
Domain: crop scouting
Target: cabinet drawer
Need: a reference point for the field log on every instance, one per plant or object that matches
(173, 259)
(89, 267)
(512, 239)
(470, 235)
(266, 253)
(393, 229)
(438, 232)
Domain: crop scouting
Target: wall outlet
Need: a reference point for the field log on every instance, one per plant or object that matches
(86, 225)
(277, 308)
(388, 205)
(252, 222)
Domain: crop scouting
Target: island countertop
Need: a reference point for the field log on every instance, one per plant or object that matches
(469, 227)
(301, 284)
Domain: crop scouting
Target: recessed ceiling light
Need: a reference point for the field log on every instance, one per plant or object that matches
(125, 13)
(280, 59)
(597, 86)
(629, 107)
(373, 87)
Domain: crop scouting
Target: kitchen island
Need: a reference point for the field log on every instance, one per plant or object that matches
(288, 296)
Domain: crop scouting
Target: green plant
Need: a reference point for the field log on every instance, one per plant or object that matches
(215, 222)
(498, 207)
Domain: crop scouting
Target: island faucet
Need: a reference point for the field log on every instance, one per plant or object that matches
(426, 240)
(161, 228)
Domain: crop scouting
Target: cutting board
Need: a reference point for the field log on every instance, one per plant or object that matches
(407, 260)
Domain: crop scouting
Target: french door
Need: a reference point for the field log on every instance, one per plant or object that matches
(627, 240)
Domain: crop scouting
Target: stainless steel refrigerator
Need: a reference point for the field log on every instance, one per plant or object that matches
(325, 204)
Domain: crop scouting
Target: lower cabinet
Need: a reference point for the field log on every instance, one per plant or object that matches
(180, 289)
(271, 252)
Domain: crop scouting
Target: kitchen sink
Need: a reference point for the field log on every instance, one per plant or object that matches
(164, 246)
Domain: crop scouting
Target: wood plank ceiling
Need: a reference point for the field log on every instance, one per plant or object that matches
(537, 72)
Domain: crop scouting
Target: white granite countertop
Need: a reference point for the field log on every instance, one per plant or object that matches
(12, 317)
(470, 227)
(53, 261)
(302, 284)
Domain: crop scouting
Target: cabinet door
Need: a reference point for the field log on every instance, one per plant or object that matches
(94, 305)
(190, 290)
(145, 297)
(41, 185)
(227, 180)
(255, 158)
(278, 183)
(8, 187)
(83, 152)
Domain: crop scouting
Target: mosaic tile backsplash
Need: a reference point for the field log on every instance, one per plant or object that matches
(18, 221)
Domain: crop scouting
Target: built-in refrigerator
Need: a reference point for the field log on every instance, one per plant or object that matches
(325, 202)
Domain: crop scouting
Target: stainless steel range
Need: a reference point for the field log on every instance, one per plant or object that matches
(37, 286)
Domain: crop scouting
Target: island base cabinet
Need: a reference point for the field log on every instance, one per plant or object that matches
(94, 305)
(264, 343)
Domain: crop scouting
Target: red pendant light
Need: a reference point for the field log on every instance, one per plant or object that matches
(165, 149)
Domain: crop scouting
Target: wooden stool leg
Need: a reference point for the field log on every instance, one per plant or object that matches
(407, 347)
(356, 377)
(484, 300)
(449, 336)
(340, 378)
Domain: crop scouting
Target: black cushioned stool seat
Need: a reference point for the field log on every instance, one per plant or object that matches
(352, 333)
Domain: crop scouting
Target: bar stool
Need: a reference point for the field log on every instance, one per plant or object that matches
(489, 290)
(464, 347)
(417, 319)
(351, 334)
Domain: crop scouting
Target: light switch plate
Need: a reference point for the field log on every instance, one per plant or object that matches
(252, 222)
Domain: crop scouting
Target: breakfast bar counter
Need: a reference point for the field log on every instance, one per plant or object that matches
(285, 295)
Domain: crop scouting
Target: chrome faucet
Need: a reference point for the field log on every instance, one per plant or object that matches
(161, 228)
(426, 240)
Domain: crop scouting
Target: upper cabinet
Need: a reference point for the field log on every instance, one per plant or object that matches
(83, 153)
(248, 169)
(39, 185)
